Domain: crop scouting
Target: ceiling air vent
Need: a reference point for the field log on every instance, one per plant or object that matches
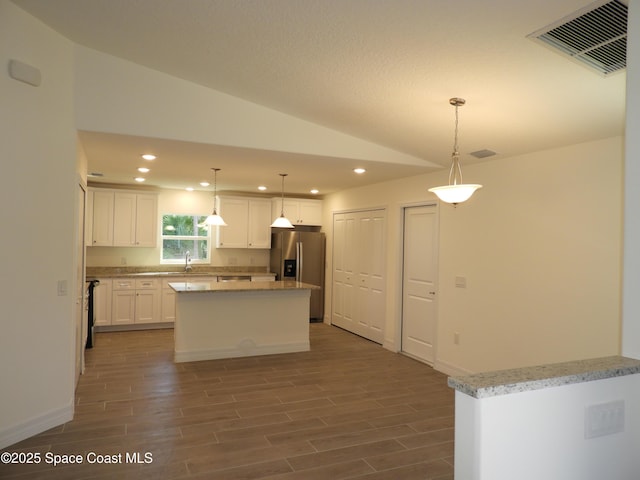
(595, 36)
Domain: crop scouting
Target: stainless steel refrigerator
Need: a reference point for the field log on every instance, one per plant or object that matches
(299, 256)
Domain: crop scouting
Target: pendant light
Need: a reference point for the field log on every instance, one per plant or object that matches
(456, 192)
(214, 219)
(282, 221)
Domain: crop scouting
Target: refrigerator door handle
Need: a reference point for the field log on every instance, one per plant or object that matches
(299, 263)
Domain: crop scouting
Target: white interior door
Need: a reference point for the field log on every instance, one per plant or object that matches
(419, 283)
(358, 273)
(370, 278)
(343, 274)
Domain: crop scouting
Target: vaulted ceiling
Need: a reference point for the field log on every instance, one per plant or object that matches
(379, 70)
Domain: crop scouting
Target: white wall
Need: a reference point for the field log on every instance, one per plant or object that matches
(178, 202)
(162, 106)
(631, 293)
(38, 185)
(540, 246)
(541, 434)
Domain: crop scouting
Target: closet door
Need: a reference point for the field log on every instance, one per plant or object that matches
(370, 292)
(358, 273)
(343, 272)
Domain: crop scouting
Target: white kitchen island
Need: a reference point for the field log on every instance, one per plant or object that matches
(239, 319)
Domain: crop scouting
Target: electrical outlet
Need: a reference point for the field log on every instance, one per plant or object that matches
(604, 419)
(461, 282)
(456, 338)
(123, 260)
(62, 288)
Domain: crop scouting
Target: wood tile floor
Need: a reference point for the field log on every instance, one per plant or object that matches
(348, 409)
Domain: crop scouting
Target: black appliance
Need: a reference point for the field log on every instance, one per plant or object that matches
(91, 317)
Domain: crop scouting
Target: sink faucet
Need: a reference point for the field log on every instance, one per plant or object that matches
(187, 262)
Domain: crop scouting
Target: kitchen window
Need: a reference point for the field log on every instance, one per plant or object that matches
(182, 234)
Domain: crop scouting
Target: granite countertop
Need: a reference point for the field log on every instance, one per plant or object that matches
(204, 287)
(504, 382)
(173, 271)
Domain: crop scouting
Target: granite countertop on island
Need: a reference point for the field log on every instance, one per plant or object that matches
(204, 287)
(503, 382)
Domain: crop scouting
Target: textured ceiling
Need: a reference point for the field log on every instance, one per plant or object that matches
(380, 70)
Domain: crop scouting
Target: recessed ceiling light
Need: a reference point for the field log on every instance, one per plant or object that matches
(359, 171)
(149, 156)
(143, 170)
(315, 191)
(139, 179)
(262, 188)
(189, 189)
(204, 184)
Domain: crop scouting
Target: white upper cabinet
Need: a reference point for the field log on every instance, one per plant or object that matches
(248, 222)
(146, 220)
(124, 219)
(135, 217)
(259, 234)
(299, 211)
(235, 212)
(102, 221)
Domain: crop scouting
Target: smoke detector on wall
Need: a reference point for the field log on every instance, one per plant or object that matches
(595, 36)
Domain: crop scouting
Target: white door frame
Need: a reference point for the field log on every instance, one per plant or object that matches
(400, 267)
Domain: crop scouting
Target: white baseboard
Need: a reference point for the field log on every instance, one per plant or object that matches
(235, 352)
(36, 425)
(450, 369)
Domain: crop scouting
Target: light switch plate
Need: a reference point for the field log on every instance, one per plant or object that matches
(461, 282)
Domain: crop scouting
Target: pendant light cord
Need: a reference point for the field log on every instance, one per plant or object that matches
(215, 189)
(455, 172)
(282, 202)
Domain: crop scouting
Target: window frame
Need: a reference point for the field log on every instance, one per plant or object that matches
(179, 261)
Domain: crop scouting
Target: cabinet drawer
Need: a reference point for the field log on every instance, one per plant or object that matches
(123, 284)
(147, 283)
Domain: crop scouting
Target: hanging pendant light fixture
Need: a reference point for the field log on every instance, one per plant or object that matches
(282, 221)
(214, 219)
(456, 192)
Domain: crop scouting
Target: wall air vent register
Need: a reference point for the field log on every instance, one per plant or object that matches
(595, 36)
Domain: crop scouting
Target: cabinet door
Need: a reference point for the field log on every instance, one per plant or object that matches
(235, 212)
(147, 308)
(146, 224)
(310, 212)
(102, 221)
(168, 305)
(124, 219)
(259, 224)
(299, 211)
(123, 307)
(102, 303)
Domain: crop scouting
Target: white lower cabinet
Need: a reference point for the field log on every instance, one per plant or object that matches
(135, 301)
(123, 307)
(168, 303)
(102, 303)
(169, 295)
